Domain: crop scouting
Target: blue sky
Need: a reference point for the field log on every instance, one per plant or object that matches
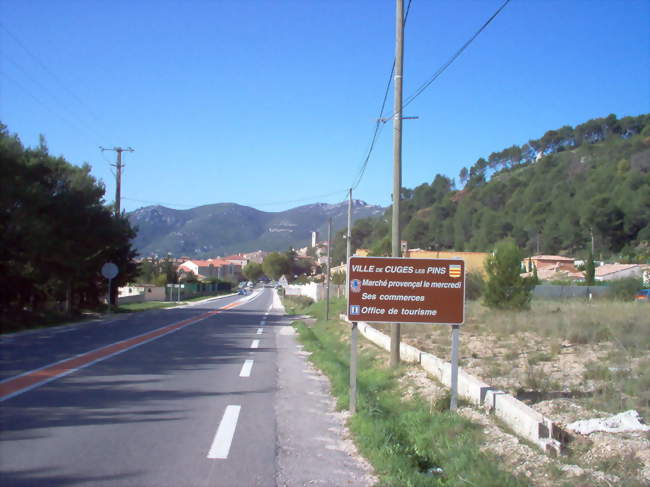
(271, 104)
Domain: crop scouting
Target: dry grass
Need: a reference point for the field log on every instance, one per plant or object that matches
(569, 359)
(552, 348)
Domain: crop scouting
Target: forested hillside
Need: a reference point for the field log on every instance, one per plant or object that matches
(551, 195)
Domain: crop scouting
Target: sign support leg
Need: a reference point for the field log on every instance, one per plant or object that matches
(109, 296)
(353, 368)
(455, 338)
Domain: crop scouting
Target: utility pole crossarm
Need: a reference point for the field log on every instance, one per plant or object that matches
(384, 120)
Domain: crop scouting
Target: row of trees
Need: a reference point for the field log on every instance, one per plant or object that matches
(276, 265)
(597, 192)
(157, 271)
(55, 232)
(554, 141)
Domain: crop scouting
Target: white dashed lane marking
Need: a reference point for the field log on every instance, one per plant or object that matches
(225, 433)
(246, 369)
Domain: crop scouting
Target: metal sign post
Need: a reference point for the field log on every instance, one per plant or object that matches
(455, 338)
(353, 368)
(109, 271)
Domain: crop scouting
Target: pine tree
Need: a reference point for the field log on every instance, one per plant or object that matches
(505, 288)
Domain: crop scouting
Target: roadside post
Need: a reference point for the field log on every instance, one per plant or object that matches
(406, 290)
(455, 338)
(109, 271)
(353, 368)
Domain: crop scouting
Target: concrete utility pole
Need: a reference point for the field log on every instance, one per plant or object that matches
(348, 243)
(397, 162)
(118, 176)
(329, 266)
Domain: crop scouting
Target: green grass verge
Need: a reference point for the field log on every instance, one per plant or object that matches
(294, 305)
(135, 307)
(405, 440)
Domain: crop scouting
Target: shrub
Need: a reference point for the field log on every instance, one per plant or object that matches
(297, 304)
(505, 288)
(625, 289)
(474, 285)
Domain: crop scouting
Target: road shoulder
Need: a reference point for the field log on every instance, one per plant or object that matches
(314, 445)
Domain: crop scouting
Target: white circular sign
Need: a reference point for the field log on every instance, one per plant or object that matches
(109, 270)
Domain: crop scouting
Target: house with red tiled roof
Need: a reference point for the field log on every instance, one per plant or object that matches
(219, 268)
(550, 261)
(553, 274)
(553, 268)
(610, 272)
(238, 259)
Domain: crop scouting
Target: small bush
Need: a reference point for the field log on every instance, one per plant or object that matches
(505, 288)
(296, 304)
(474, 285)
(625, 289)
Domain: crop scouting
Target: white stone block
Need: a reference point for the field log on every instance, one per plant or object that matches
(409, 353)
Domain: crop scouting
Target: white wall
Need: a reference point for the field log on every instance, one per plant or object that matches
(315, 291)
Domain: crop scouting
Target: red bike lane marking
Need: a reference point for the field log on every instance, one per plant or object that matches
(29, 380)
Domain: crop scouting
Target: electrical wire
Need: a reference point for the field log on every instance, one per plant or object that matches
(379, 122)
(44, 67)
(77, 126)
(450, 61)
(419, 91)
(53, 97)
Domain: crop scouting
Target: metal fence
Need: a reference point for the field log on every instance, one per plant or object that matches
(550, 291)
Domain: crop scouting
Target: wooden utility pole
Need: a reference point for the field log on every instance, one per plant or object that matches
(118, 175)
(397, 162)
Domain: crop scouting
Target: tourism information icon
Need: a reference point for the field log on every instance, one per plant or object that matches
(404, 290)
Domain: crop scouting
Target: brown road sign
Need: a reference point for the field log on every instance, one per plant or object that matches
(403, 290)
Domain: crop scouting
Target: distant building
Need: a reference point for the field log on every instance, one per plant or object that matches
(219, 268)
(314, 239)
(610, 272)
(257, 256)
(238, 259)
(542, 261)
(474, 261)
(553, 268)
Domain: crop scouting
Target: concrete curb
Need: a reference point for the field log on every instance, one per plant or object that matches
(523, 420)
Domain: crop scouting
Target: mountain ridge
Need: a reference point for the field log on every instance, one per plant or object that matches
(222, 228)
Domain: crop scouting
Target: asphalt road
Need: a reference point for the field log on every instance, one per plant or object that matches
(179, 397)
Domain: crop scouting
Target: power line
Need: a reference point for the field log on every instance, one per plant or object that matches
(378, 123)
(43, 66)
(450, 61)
(73, 124)
(418, 92)
(52, 96)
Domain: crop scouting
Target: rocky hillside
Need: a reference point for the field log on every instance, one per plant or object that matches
(228, 227)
